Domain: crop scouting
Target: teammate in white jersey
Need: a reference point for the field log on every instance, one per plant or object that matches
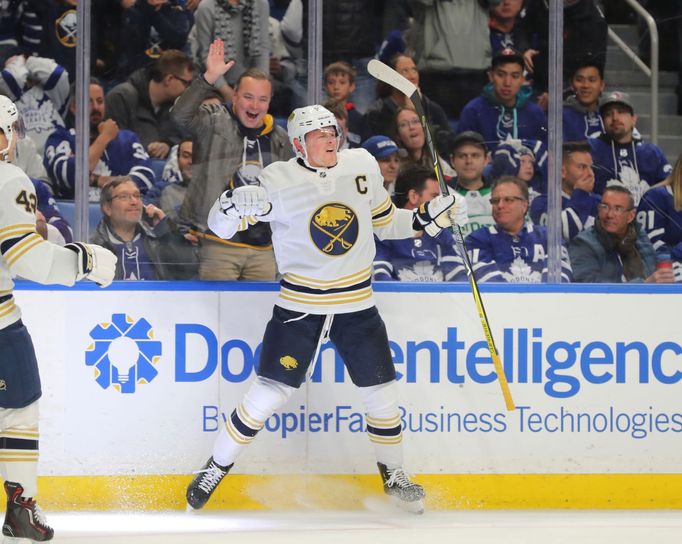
(324, 207)
(24, 253)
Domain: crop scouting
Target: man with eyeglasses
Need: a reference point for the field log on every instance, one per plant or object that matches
(512, 250)
(616, 249)
(142, 104)
(146, 242)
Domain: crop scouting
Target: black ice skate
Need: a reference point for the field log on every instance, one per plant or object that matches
(205, 483)
(398, 486)
(23, 518)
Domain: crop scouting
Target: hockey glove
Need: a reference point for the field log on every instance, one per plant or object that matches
(94, 263)
(246, 200)
(440, 213)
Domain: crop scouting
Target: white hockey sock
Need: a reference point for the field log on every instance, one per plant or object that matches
(383, 422)
(262, 399)
(19, 457)
(19, 447)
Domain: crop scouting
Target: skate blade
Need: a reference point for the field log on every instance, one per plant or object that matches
(413, 507)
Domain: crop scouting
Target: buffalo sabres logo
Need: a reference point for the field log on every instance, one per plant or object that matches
(65, 27)
(334, 228)
(288, 362)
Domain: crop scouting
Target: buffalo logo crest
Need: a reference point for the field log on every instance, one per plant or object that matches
(334, 228)
(288, 362)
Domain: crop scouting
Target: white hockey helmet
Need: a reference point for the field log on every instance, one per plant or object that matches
(10, 122)
(305, 120)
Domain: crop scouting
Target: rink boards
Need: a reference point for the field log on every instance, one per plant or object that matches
(137, 379)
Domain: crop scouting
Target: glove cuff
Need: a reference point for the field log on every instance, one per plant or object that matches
(421, 218)
(86, 260)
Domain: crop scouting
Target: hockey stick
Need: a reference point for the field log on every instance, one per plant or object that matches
(389, 76)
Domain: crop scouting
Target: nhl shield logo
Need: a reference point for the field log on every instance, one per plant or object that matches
(334, 228)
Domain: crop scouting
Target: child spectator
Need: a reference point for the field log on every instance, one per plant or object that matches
(339, 83)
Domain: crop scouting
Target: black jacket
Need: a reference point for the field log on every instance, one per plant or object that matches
(130, 106)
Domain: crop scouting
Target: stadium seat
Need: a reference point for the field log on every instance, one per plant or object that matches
(157, 167)
(68, 210)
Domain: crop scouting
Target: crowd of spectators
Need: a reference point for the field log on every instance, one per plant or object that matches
(188, 98)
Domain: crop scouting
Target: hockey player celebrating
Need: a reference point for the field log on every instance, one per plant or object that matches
(323, 207)
(24, 253)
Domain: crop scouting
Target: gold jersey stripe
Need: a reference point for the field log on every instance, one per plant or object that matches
(383, 221)
(337, 298)
(19, 460)
(22, 228)
(8, 310)
(18, 250)
(19, 453)
(382, 207)
(15, 434)
(344, 281)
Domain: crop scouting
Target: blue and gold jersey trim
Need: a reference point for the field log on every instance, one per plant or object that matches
(7, 305)
(383, 214)
(346, 290)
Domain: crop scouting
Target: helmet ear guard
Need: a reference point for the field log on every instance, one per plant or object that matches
(305, 120)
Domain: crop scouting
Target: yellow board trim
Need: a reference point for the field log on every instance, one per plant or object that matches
(444, 491)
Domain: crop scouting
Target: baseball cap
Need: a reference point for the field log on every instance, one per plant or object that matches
(507, 55)
(468, 137)
(617, 97)
(380, 146)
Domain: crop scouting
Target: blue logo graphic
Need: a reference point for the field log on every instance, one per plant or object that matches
(123, 353)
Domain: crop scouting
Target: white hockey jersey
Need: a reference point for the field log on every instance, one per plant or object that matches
(323, 222)
(24, 252)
